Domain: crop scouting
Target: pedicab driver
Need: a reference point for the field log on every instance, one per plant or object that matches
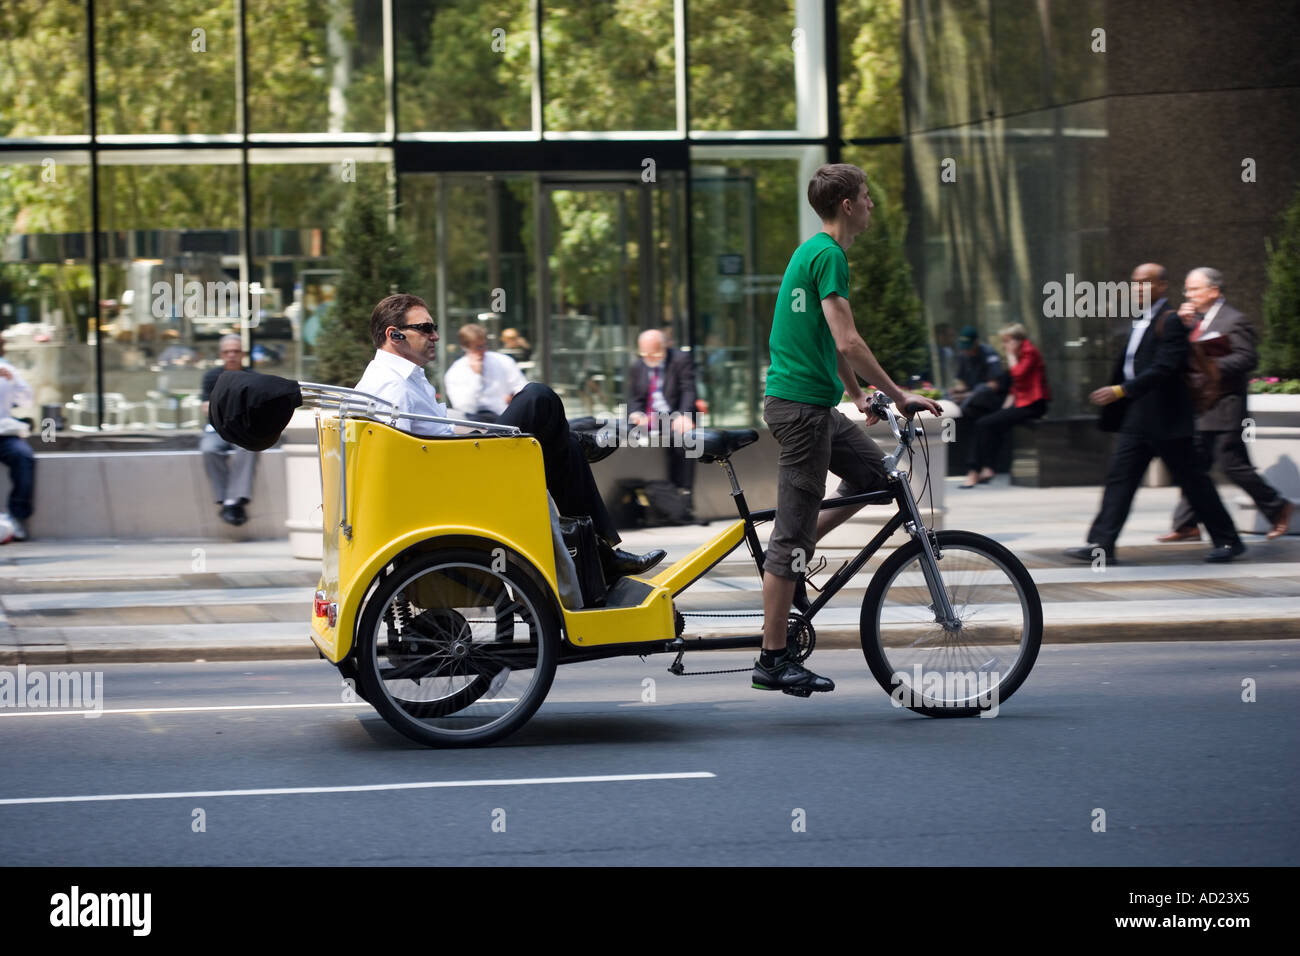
(815, 351)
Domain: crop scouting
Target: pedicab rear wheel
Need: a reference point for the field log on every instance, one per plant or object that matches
(457, 647)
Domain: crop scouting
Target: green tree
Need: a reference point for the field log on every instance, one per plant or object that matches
(886, 308)
(1280, 352)
(376, 262)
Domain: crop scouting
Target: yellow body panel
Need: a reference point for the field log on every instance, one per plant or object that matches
(652, 620)
(677, 577)
(406, 489)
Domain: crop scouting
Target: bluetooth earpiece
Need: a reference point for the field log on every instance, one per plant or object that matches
(397, 336)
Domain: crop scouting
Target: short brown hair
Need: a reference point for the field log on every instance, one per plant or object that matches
(470, 333)
(392, 311)
(831, 185)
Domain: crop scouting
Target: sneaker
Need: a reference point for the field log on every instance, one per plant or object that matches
(789, 678)
(229, 515)
(19, 530)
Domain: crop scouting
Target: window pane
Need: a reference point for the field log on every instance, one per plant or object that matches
(165, 68)
(950, 43)
(316, 67)
(42, 69)
(745, 214)
(741, 64)
(609, 66)
(171, 261)
(871, 70)
(45, 276)
(296, 235)
(464, 65)
(484, 272)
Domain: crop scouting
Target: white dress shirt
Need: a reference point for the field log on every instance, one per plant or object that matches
(470, 392)
(1135, 337)
(13, 391)
(403, 383)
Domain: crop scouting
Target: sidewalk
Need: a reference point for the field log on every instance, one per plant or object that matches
(182, 600)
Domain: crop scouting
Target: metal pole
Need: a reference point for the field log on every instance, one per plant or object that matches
(94, 216)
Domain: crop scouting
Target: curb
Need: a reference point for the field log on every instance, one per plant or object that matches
(834, 638)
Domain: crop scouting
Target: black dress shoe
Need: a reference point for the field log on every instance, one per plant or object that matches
(625, 562)
(1088, 553)
(230, 514)
(1226, 552)
(241, 516)
(592, 448)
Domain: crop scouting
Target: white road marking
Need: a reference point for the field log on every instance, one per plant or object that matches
(174, 710)
(365, 788)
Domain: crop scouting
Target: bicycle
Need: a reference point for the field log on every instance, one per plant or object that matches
(446, 616)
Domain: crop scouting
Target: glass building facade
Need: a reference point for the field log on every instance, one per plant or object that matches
(575, 171)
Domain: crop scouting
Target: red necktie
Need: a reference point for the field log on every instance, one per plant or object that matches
(654, 387)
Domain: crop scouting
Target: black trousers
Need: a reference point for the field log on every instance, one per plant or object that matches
(991, 429)
(537, 410)
(1132, 455)
(1229, 450)
(681, 469)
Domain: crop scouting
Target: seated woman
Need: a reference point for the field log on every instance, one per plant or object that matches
(1026, 400)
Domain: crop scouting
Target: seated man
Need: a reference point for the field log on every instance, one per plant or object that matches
(405, 339)
(481, 383)
(14, 450)
(230, 468)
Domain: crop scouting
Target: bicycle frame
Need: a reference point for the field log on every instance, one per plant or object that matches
(691, 568)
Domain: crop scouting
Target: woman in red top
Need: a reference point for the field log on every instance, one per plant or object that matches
(1027, 399)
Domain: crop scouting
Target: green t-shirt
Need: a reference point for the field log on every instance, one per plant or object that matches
(803, 351)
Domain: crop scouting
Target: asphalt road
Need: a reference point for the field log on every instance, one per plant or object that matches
(1155, 735)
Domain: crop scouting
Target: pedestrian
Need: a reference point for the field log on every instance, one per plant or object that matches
(1026, 400)
(1219, 426)
(480, 384)
(1151, 408)
(15, 452)
(661, 398)
(230, 468)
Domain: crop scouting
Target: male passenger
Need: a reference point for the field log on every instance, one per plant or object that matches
(406, 339)
(816, 349)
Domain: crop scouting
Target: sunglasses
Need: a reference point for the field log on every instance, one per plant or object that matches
(424, 328)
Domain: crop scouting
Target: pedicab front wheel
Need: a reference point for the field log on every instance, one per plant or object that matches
(457, 648)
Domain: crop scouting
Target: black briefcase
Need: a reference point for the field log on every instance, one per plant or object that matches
(580, 540)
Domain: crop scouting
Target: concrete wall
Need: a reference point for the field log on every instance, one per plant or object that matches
(146, 494)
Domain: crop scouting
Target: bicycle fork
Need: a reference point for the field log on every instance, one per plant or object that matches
(915, 526)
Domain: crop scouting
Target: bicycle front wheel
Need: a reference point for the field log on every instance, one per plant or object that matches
(970, 663)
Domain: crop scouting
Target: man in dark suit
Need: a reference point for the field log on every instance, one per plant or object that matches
(1150, 407)
(661, 398)
(1218, 428)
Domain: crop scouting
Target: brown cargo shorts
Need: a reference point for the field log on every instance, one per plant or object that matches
(813, 440)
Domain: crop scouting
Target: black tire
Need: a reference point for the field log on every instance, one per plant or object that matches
(437, 657)
(1001, 627)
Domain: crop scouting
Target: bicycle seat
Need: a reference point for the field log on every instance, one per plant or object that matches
(719, 444)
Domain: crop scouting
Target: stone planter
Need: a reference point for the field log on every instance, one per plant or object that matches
(302, 486)
(1272, 434)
